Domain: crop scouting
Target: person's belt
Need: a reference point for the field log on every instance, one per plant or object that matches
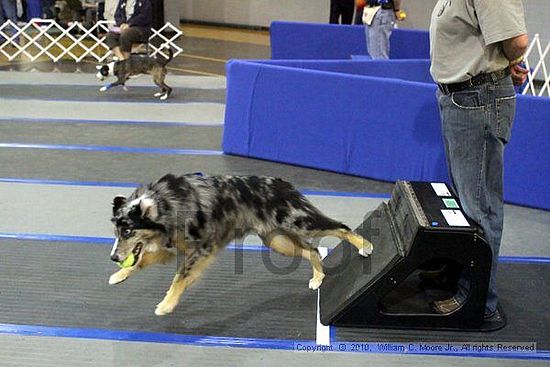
(477, 80)
(386, 6)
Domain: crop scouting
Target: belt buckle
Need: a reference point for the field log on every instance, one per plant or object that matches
(470, 83)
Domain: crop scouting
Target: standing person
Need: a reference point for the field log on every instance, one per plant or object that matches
(343, 9)
(477, 48)
(379, 17)
(358, 18)
(48, 7)
(109, 10)
(133, 19)
(8, 11)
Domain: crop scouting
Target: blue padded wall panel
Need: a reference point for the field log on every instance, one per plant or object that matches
(290, 40)
(293, 40)
(411, 70)
(380, 128)
(238, 104)
(338, 122)
(527, 166)
(409, 44)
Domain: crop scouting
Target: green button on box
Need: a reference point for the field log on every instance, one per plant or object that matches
(451, 203)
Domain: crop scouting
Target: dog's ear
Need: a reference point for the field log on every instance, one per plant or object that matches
(148, 209)
(118, 202)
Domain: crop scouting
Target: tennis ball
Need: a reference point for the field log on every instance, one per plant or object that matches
(401, 15)
(128, 262)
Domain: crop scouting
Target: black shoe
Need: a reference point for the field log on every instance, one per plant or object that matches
(492, 317)
(446, 306)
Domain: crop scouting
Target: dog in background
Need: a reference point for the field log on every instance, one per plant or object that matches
(136, 65)
(199, 215)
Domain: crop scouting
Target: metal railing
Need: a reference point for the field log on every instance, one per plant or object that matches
(537, 68)
(46, 37)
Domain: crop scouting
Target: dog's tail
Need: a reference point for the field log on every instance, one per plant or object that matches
(163, 61)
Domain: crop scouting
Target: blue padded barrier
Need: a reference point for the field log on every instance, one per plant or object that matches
(527, 166)
(412, 70)
(409, 44)
(333, 121)
(292, 40)
(341, 119)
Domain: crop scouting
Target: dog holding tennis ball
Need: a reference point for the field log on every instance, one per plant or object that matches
(196, 216)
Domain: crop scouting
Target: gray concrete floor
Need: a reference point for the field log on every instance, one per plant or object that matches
(30, 351)
(36, 116)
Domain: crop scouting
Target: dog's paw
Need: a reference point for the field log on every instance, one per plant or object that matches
(103, 89)
(366, 250)
(164, 96)
(164, 308)
(315, 283)
(119, 277)
(158, 94)
(125, 88)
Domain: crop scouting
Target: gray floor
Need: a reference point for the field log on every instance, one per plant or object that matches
(189, 113)
(131, 134)
(73, 219)
(28, 351)
(59, 105)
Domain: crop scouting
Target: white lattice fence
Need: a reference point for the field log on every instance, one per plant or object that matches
(45, 37)
(537, 68)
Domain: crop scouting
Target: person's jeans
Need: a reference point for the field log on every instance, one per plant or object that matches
(378, 34)
(476, 125)
(8, 10)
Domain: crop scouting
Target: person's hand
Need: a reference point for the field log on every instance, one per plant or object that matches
(124, 26)
(519, 74)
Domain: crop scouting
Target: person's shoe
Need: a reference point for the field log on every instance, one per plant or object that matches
(492, 317)
(446, 306)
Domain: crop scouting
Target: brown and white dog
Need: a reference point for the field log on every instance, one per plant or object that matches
(197, 216)
(137, 65)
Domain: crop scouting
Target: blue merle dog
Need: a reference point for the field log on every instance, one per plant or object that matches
(197, 216)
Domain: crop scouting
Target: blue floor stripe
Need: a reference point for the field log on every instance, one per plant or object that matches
(58, 238)
(114, 149)
(69, 183)
(108, 122)
(132, 184)
(524, 259)
(217, 341)
(371, 195)
(242, 247)
(148, 337)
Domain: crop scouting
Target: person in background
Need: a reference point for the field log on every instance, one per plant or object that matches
(341, 9)
(379, 17)
(70, 12)
(359, 6)
(109, 10)
(8, 11)
(48, 7)
(133, 19)
(477, 49)
(91, 12)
